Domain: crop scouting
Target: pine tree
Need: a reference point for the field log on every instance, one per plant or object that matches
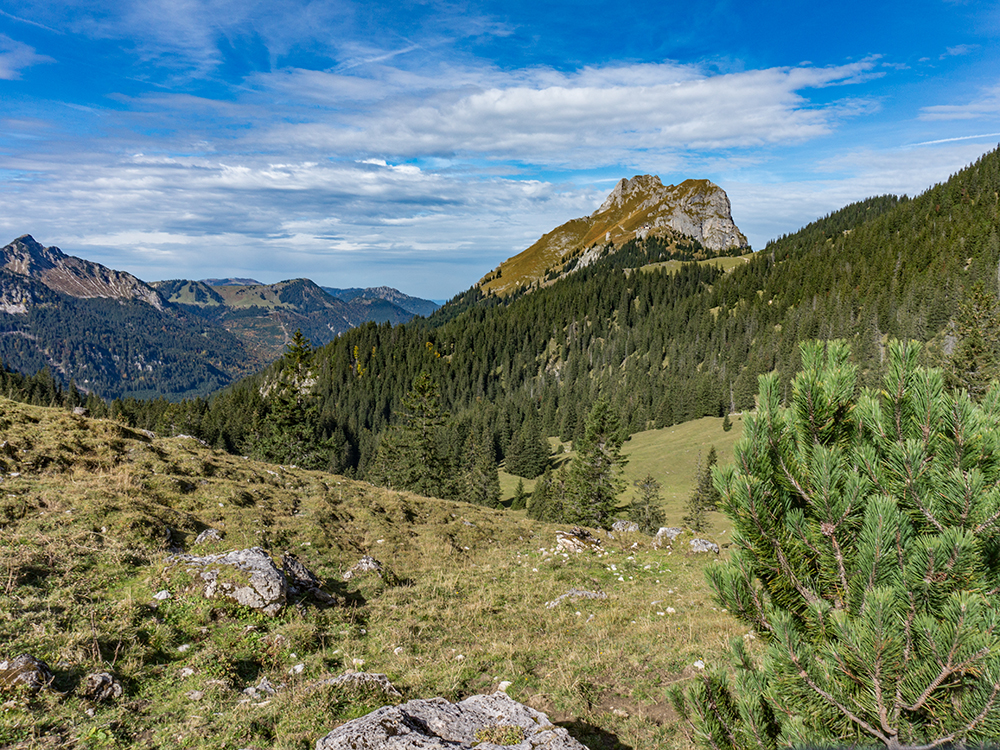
(727, 423)
(975, 360)
(865, 555)
(647, 508)
(520, 501)
(696, 517)
(482, 479)
(595, 475)
(410, 455)
(289, 431)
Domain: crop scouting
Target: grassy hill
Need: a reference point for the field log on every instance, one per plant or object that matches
(90, 510)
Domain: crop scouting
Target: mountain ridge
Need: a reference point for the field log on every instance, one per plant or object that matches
(695, 217)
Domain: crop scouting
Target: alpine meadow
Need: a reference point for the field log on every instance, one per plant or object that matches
(640, 487)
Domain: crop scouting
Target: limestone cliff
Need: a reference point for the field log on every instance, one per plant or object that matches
(641, 207)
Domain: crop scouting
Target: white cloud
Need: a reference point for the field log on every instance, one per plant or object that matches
(16, 56)
(986, 105)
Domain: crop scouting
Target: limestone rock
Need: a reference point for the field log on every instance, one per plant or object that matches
(436, 724)
(624, 526)
(247, 577)
(25, 670)
(577, 540)
(366, 564)
(209, 535)
(102, 686)
(703, 545)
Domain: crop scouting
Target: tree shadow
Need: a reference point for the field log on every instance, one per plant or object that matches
(593, 737)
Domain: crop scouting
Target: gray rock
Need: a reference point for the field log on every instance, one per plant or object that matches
(668, 532)
(80, 411)
(366, 564)
(247, 577)
(624, 526)
(703, 545)
(25, 670)
(577, 540)
(209, 535)
(102, 686)
(436, 724)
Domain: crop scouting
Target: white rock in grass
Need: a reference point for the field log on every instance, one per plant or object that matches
(436, 724)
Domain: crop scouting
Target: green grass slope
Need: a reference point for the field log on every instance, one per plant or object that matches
(89, 510)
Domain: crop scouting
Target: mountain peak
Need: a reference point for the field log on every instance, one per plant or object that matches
(72, 276)
(640, 207)
(626, 189)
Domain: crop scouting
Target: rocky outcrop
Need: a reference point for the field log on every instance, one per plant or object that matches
(485, 722)
(247, 577)
(73, 276)
(102, 686)
(696, 208)
(24, 670)
(577, 540)
(640, 207)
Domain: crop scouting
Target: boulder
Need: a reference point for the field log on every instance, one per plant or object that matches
(102, 686)
(25, 670)
(624, 526)
(302, 580)
(246, 576)
(703, 545)
(435, 724)
(577, 540)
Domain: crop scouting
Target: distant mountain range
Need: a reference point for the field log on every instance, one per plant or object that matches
(116, 335)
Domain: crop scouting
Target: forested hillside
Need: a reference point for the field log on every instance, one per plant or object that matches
(661, 347)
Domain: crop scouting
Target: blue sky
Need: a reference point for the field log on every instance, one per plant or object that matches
(418, 144)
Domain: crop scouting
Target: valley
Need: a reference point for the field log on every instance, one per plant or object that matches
(615, 353)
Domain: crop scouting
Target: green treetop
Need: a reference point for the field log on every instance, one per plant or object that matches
(866, 555)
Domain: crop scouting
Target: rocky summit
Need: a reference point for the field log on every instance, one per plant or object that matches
(26, 257)
(696, 213)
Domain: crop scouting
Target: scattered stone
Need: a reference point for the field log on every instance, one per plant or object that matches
(186, 672)
(624, 526)
(25, 670)
(577, 540)
(247, 577)
(668, 532)
(161, 595)
(262, 688)
(184, 648)
(209, 535)
(80, 411)
(703, 545)
(195, 695)
(366, 564)
(297, 669)
(502, 687)
(301, 579)
(576, 594)
(102, 686)
(368, 680)
(436, 724)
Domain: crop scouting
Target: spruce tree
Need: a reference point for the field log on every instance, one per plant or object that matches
(520, 501)
(410, 455)
(595, 475)
(866, 556)
(481, 476)
(647, 507)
